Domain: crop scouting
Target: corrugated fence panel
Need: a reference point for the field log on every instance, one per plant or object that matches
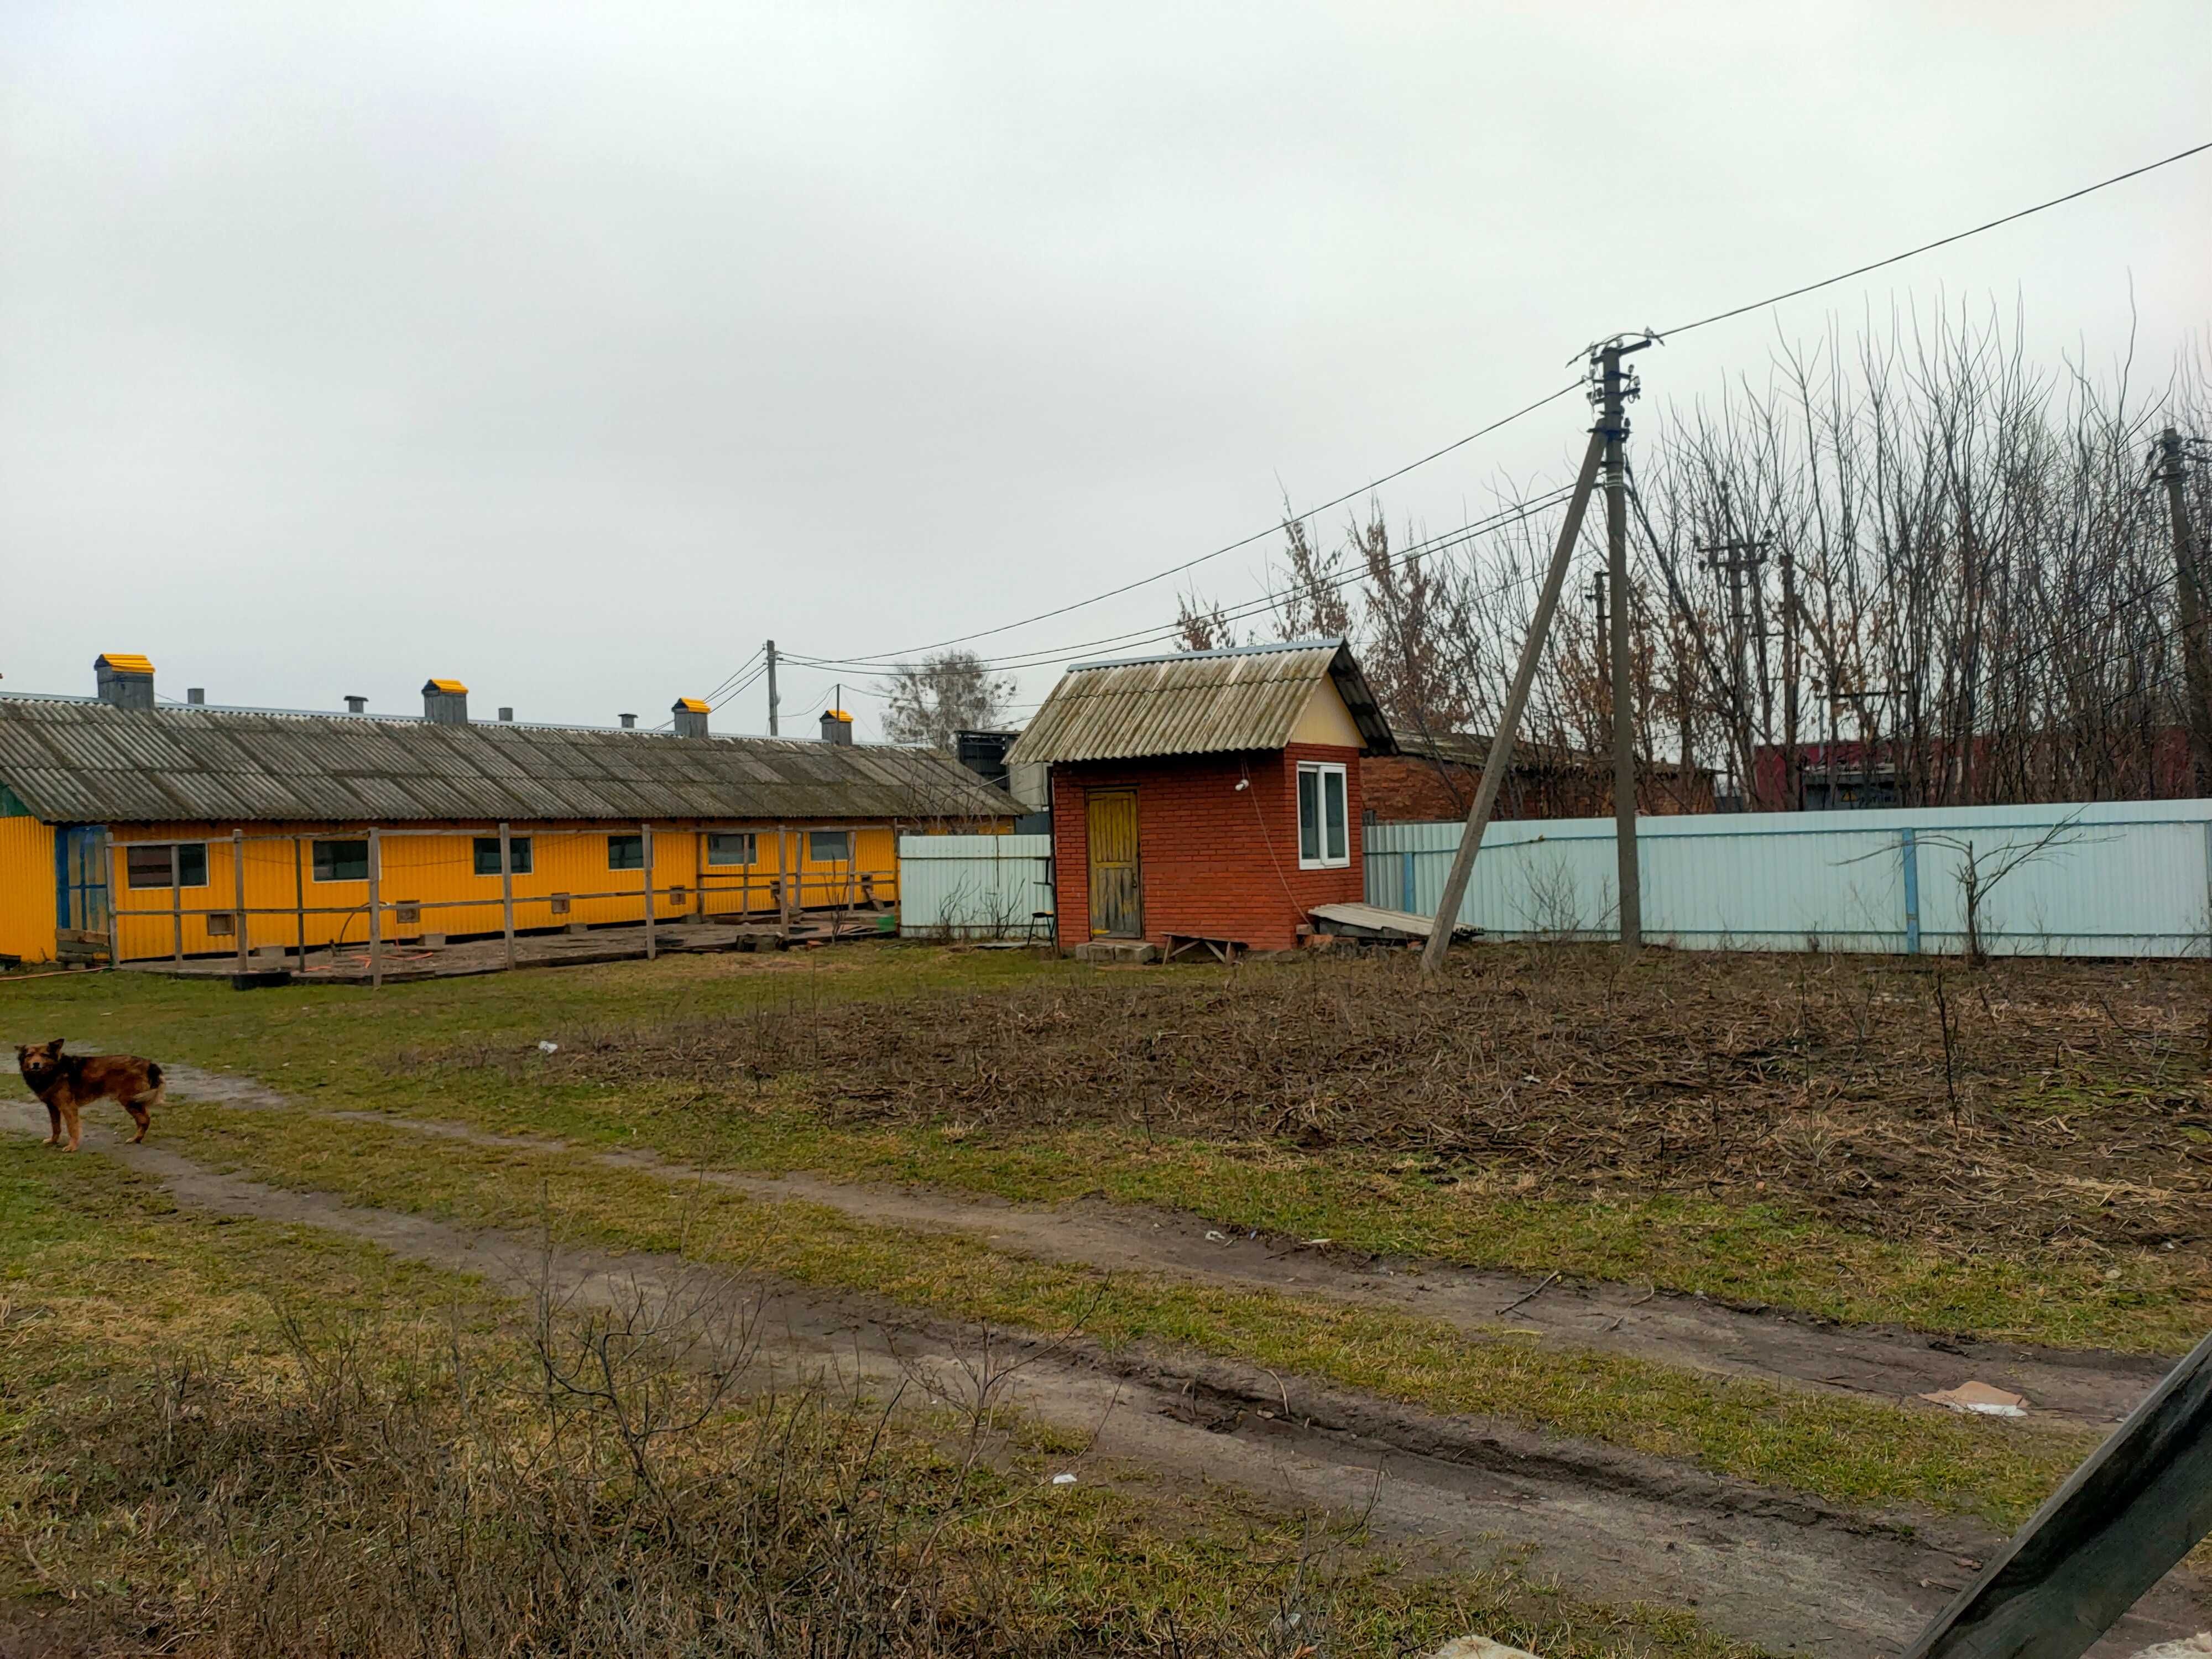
(974, 886)
(2129, 878)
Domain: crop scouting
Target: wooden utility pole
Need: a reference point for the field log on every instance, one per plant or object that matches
(1616, 387)
(769, 650)
(1732, 557)
(1501, 742)
(2188, 586)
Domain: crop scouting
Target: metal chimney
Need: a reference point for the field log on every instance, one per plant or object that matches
(505, 713)
(690, 717)
(836, 726)
(126, 679)
(629, 722)
(357, 705)
(196, 695)
(445, 703)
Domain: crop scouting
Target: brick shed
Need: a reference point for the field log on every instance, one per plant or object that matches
(1207, 795)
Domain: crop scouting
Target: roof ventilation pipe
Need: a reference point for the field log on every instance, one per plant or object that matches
(629, 722)
(357, 705)
(196, 695)
(505, 713)
(126, 679)
(690, 717)
(836, 726)
(444, 702)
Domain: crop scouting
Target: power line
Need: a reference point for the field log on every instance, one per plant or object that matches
(1257, 535)
(1941, 241)
(859, 666)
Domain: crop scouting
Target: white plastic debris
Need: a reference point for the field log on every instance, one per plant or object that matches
(1981, 1399)
(1063, 1480)
(1213, 1237)
(549, 1048)
(1479, 1647)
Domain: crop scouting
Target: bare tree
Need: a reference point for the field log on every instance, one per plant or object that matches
(952, 691)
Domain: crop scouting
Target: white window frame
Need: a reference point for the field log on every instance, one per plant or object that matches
(1323, 770)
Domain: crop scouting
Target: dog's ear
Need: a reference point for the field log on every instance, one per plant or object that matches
(55, 1046)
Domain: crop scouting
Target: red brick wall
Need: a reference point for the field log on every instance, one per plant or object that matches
(1216, 861)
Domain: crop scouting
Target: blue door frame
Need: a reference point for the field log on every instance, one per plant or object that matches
(81, 878)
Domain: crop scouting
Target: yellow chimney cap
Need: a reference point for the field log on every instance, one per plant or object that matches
(451, 688)
(693, 706)
(124, 662)
(838, 715)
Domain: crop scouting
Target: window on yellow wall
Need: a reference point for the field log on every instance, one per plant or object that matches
(735, 848)
(488, 855)
(829, 846)
(626, 852)
(148, 866)
(342, 860)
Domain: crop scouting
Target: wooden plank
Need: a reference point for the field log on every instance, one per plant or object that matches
(2141, 1502)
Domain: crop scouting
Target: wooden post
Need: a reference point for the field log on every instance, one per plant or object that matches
(645, 838)
(238, 892)
(375, 912)
(2138, 1505)
(300, 898)
(176, 902)
(114, 916)
(1501, 743)
(507, 888)
(782, 888)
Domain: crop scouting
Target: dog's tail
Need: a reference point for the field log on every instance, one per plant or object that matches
(154, 1073)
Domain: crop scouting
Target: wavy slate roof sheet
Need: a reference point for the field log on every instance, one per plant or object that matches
(1195, 702)
(89, 762)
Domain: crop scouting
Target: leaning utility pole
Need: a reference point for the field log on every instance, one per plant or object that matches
(2188, 578)
(770, 649)
(1616, 387)
(1501, 742)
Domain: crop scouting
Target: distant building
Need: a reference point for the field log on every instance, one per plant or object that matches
(1207, 795)
(128, 822)
(1434, 776)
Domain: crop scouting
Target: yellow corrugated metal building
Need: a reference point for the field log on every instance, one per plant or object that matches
(191, 818)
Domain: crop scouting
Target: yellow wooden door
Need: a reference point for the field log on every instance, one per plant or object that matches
(1117, 908)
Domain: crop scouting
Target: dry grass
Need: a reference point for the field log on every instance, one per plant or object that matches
(2065, 1102)
(408, 1472)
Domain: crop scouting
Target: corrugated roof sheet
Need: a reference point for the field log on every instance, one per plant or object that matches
(91, 763)
(1197, 702)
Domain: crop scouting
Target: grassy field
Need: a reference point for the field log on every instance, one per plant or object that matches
(230, 1437)
(2023, 1156)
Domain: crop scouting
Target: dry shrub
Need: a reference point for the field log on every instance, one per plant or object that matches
(1824, 1079)
(601, 1484)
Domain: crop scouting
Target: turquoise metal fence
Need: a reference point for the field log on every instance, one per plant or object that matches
(2104, 880)
(974, 886)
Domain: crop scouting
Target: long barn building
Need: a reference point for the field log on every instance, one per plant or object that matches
(164, 829)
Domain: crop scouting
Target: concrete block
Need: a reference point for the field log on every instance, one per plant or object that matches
(1116, 950)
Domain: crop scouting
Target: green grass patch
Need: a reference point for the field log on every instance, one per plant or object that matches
(1845, 1450)
(180, 1474)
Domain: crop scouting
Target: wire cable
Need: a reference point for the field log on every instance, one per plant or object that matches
(1257, 535)
(858, 667)
(1941, 241)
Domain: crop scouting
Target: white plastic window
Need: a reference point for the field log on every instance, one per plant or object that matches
(1324, 827)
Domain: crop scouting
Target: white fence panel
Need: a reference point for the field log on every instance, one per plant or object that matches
(2127, 878)
(974, 886)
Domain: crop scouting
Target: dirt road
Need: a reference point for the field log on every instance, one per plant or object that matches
(1790, 1573)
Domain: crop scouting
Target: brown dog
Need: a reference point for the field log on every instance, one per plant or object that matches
(67, 1082)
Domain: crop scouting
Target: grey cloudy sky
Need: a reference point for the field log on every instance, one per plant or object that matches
(572, 350)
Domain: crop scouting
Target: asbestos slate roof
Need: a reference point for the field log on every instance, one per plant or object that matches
(88, 762)
(1195, 702)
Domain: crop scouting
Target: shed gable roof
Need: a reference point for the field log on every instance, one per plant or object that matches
(1196, 703)
(91, 763)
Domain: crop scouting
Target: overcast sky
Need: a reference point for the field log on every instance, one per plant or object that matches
(573, 351)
